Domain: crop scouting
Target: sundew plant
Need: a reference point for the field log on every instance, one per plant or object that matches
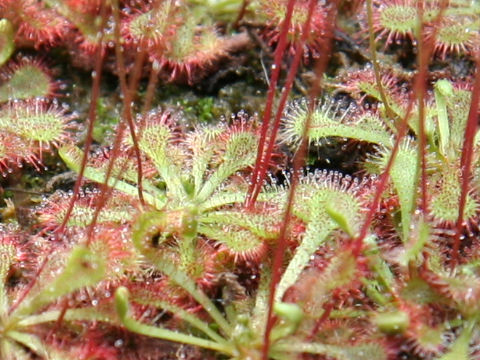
(250, 180)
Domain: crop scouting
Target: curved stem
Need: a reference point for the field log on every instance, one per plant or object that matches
(128, 93)
(123, 311)
(92, 113)
(256, 183)
(466, 160)
(298, 163)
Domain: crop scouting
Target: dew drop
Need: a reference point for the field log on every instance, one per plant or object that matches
(118, 343)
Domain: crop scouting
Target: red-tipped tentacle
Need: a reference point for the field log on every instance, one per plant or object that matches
(256, 184)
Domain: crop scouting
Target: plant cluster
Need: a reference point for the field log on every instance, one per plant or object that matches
(211, 240)
(454, 32)
(31, 120)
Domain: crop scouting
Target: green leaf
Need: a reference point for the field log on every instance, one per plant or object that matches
(221, 198)
(31, 342)
(317, 286)
(123, 311)
(7, 258)
(445, 194)
(259, 224)
(312, 239)
(29, 80)
(419, 237)
(326, 122)
(460, 348)
(360, 351)
(242, 243)
(7, 43)
(72, 156)
(11, 350)
(260, 310)
(378, 264)
(442, 89)
(240, 152)
(339, 218)
(203, 143)
(82, 269)
(324, 195)
(403, 174)
(289, 311)
(80, 314)
(393, 322)
(180, 313)
(458, 107)
(291, 315)
(155, 142)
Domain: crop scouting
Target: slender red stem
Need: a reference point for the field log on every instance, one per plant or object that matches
(467, 158)
(61, 317)
(128, 94)
(257, 182)
(327, 310)
(127, 115)
(271, 139)
(92, 113)
(152, 83)
(419, 87)
(106, 191)
(297, 163)
(241, 13)
(381, 185)
(134, 79)
(425, 50)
